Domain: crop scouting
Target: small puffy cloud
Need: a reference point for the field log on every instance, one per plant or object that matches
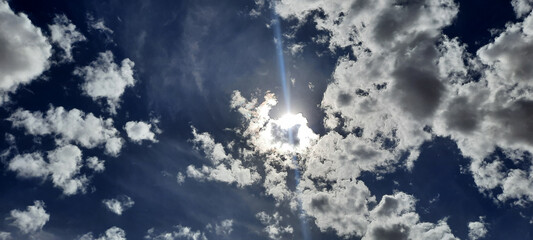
(64, 34)
(74, 126)
(32, 219)
(139, 131)
(95, 164)
(63, 168)
(24, 50)
(118, 205)
(113, 233)
(477, 230)
(105, 80)
(273, 226)
(181, 232)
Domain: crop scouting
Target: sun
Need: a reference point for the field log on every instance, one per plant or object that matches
(290, 120)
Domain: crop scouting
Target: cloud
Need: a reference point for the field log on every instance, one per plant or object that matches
(139, 131)
(95, 164)
(64, 34)
(24, 51)
(394, 218)
(522, 7)
(73, 126)
(113, 233)
(31, 220)
(63, 168)
(5, 236)
(181, 232)
(224, 167)
(30, 165)
(223, 229)
(99, 26)
(273, 225)
(411, 82)
(104, 79)
(118, 205)
(477, 229)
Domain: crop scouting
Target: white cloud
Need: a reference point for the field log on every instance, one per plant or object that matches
(5, 236)
(95, 164)
(394, 218)
(64, 34)
(31, 220)
(139, 131)
(477, 230)
(104, 79)
(273, 226)
(522, 7)
(24, 51)
(223, 229)
(113, 233)
(72, 126)
(224, 167)
(30, 165)
(181, 232)
(118, 205)
(63, 168)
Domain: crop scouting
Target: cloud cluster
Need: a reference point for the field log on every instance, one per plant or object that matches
(139, 131)
(223, 167)
(72, 126)
(64, 34)
(32, 219)
(63, 168)
(273, 226)
(181, 232)
(113, 233)
(411, 82)
(118, 205)
(104, 79)
(477, 230)
(24, 51)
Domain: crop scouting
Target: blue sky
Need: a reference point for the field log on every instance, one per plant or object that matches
(168, 119)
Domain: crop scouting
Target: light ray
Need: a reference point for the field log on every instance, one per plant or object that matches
(287, 98)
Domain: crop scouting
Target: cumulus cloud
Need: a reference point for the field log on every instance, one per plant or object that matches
(139, 131)
(24, 51)
(64, 34)
(63, 168)
(181, 232)
(118, 205)
(224, 168)
(106, 80)
(73, 126)
(113, 233)
(411, 82)
(95, 164)
(32, 219)
(477, 229)
(273, 226)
